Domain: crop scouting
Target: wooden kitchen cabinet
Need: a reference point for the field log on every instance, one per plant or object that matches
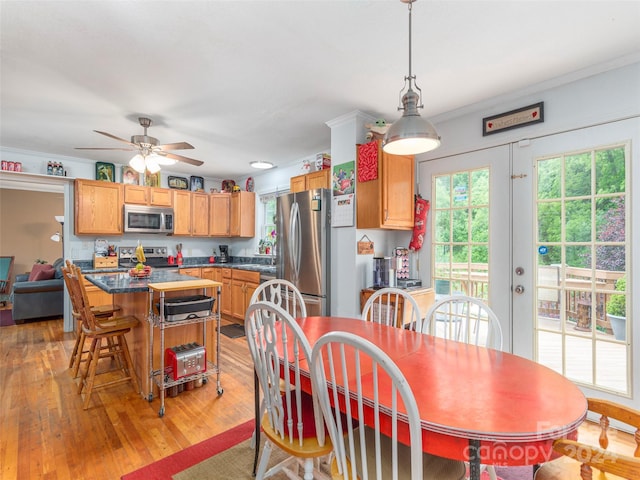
(141, 195)
(199, 214)
(242, 215)
(98, 207)
(425, 297)
(225, 303)
(191, 271)
(219, 214)
(388, 201)
(310, 181)
(243, 284)
(181, 212)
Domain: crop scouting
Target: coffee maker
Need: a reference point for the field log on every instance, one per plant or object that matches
(224, 254)
(383, 274)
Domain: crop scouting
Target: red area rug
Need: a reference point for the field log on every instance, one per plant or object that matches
(179, 461)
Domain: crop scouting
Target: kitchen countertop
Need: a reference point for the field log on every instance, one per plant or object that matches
(254, 267)
(119, 282)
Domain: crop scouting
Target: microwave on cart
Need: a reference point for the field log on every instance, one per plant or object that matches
(143, 219)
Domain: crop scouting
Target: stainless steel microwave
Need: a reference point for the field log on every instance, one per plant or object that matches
(142, 219)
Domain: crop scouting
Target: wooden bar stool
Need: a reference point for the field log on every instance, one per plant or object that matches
(101, 311)
(113, 332)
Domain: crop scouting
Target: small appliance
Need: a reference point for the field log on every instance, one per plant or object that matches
(184, 360)
(143, 219)
(383, 274)
(224, 253)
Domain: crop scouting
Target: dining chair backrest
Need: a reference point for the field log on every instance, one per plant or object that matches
(464, 319)
(394, 307)
(279, 348)
(284, 294)
(346, 365)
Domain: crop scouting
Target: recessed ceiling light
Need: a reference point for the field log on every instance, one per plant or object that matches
(261, 165)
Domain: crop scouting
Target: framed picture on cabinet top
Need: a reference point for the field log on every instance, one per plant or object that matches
(196, 184)
(130, 176)
(105, 172)
(151, 179)
(179, 183)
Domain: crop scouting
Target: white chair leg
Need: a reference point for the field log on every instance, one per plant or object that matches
(264, 460)
(491, 470)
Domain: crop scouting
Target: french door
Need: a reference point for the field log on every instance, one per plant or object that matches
(558, 238)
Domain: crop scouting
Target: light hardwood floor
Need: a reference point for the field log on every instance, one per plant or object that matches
(45, 433)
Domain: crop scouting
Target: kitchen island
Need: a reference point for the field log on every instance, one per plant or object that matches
(133, 296)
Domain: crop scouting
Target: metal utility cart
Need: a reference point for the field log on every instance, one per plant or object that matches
(157, 319)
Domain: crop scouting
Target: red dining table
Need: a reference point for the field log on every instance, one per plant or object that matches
(476, 404)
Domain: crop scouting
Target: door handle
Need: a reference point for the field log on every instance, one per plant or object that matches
(519, 289)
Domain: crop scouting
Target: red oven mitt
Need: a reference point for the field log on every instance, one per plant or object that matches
(419, 223)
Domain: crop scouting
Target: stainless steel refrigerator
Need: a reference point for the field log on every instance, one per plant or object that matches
(303, 246)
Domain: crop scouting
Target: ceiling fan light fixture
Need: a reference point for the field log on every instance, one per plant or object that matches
(411, 134)
(261, 164)
(151, 163)
(137, 163)
(163, 160)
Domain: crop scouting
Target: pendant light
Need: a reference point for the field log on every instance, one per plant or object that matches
(411, 134)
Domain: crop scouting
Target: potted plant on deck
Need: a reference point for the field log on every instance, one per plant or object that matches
(617, 310)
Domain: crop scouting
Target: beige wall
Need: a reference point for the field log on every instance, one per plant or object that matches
(26, 225)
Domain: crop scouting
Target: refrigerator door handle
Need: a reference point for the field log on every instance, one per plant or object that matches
(296, 240)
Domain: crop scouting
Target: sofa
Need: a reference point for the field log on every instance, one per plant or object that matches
(38, 298)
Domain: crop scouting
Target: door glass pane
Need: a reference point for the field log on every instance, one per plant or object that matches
(581, 256)
(461, 226)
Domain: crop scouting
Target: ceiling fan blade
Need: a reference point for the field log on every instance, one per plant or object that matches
(180, 158)
(100, 148)
(116, 138)
(175, 146)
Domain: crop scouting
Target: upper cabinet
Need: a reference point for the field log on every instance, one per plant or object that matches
(199, 214)
(242, 218)
(387, 202)
(98, 207)
(219, 211)
(310, 181)
(181, 212)
(140, 195)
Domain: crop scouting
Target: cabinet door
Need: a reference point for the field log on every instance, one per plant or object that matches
(96, 295)
(98, 207)
(199, 214)
(136, 194)
(319, 179)
(243, 214)
(238, 299)
(219, 214)
(161, 197)
(298, 184)
(225, 303)
(181, 212)
(397, 191)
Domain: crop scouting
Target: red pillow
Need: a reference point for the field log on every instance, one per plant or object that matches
(45, 275)
(39, 267)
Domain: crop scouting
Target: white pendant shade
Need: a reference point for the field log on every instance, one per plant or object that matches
(137, 163)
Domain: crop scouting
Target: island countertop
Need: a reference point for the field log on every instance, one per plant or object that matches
(121, 282)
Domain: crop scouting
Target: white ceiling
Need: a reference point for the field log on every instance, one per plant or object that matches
(257, 80)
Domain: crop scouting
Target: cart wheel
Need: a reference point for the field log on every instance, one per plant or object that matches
(220, 391)
(161, 412)
(204, 380)
(150, 397)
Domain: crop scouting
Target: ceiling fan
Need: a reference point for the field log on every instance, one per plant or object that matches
(150, 154)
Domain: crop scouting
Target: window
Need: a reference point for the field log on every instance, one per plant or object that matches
(267, 237)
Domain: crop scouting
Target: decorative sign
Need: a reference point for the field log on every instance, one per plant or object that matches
(342, 212)
(513, 119)
(365, 246)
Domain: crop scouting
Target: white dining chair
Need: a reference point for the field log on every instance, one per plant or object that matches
(393, 306)
(465, 319)
(292, 419)
(347, 365)
(282, 293)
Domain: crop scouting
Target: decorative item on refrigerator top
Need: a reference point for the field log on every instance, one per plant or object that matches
(184, 360)
(184, 308)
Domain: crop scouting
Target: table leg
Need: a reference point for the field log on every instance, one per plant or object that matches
(474, 459)
(256, 387)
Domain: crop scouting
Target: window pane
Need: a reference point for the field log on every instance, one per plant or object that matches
(443, 191)
(610, 219)
(480, 187)
(578, 220)
(480, 225)
(442, 226)
(578, 175)
(460, 189)
(461, 225)
(610, 170)
(549, 222)
(549, 175)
